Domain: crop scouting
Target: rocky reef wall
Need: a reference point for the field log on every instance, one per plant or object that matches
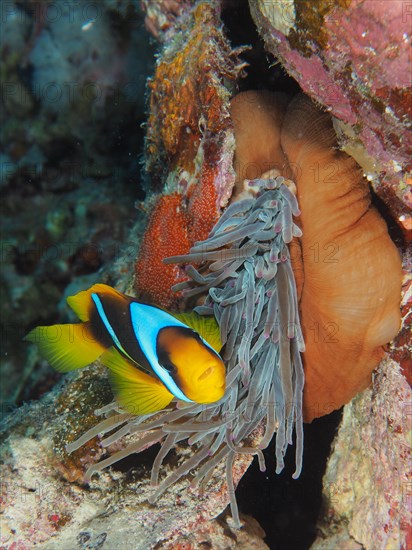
(352, 58)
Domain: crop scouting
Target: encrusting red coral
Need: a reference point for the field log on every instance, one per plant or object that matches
(203, 208)
(175, 224)
(166, 234)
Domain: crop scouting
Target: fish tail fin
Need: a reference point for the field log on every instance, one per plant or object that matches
(66, 347)
(82, 303)
(137, 392)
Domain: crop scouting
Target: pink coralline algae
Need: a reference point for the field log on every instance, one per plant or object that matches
(353, 58)
(388, 27)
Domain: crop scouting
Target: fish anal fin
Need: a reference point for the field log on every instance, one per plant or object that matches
(206, 326)
(136, 392)
(66, 347)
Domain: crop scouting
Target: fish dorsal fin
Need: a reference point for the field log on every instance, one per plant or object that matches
(66, 347)
(82, 303)
(136, 391)
(206, 326)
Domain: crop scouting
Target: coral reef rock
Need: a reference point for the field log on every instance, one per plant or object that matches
(367, 483)
(353, 57)
(45, 503)
(189, 144)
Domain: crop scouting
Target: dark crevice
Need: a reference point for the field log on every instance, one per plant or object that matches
(288, 509)
(394, 230)
(264, 71)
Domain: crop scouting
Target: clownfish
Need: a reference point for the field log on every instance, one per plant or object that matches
(153, 356)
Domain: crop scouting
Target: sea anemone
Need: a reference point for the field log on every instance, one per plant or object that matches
(347, 269)
(348, 273)
(244, 269)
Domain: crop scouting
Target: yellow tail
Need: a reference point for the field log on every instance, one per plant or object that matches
(70, 347)
(66, 347)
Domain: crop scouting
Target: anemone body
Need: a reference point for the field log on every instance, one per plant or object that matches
(349, 302)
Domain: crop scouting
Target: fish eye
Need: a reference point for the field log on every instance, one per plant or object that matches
(170, 367)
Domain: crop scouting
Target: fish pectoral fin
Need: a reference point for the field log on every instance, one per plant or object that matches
(137, 392)
(82, 303)
(206, 326)
(66, 347)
